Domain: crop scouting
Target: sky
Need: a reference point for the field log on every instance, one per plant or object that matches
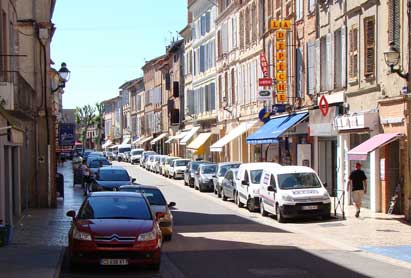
(105, 43)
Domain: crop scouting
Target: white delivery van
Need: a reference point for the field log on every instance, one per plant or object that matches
(293, 191)
(248, 183)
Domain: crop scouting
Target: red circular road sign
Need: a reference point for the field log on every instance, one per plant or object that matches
(324, 106)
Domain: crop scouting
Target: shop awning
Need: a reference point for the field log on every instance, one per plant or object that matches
(158, 138)
(137, 140)
(275, 128)
(108, 143)
(238, 131)
(126, 140)
(188, 135)
(170, 139)
(198, 143)
(114, 147)
(361, 151)
(141, 142)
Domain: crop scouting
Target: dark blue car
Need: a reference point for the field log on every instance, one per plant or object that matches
(110, 179)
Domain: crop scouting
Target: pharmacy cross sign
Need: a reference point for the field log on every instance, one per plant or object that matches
(324, 107)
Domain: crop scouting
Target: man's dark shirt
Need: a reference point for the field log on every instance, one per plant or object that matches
(357, 177)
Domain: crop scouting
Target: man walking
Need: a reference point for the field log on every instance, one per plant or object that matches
(86, 176)
(358, 181)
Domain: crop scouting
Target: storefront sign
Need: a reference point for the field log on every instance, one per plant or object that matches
(323, 125)
(324, 106)
(281, 97)
(264, 95)
(281, 58)
(278, 108)
(264, 115)
(366, 120)
(67, 134)
(264, 64)
(265, 82)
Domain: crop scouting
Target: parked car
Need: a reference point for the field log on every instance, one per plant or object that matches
(115, 228)
(158, 204)
(189, 173)
(222, 169)
(151, 159)
(161, 164)
(156, 166)
(135, 155)
(177, 168)
(228, 189)
(110, 178)
(203, 178)
(293, 191)
(110, 156)
(154, 162)
(85, 154)
(95, 163)
(248, 184)
(115, 154)
(127, 156)
(144, 156)
(167, 165)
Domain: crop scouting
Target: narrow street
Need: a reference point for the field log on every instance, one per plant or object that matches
(213, 238)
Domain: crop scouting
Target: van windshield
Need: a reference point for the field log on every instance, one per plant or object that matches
(298, 181)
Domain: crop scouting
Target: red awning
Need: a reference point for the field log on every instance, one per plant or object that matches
(361, 151)
(79, 143)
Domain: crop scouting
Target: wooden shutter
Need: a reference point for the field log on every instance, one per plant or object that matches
(317, 66)
(310, 68)
(299, 72)
(343, 56)
(330, 59)
(369, 46)
(176, 89)
(394, 17)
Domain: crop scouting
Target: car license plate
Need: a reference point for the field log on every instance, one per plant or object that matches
(309, 207)
(114, 262)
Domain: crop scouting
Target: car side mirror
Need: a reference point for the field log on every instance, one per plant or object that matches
(71, 213)
(245, 183)
(160, 215)
(325, 184)
(133, 179)
(171, 204)
(271, 188)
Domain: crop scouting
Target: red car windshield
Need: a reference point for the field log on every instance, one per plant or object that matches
(113, 207)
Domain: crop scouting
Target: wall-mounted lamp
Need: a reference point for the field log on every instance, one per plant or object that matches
(224, 105)
(392, 58)
(62, 77)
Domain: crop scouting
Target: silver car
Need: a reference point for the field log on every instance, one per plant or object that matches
(203, 178)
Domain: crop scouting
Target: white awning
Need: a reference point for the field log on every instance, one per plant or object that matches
(122, 146)
(158, 138)
(171, 138)
(114, 147)
(199, 141)
(188, 135)
(137, 140)
(126, 140)
(107, 144)
(141, 142)
(238, 131)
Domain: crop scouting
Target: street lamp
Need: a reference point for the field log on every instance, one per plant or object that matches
(392, 58)
(224, 105)
(62, 77)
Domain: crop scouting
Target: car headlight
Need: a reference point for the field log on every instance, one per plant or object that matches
(326, 196)
(81, 235)
(152, 235)
(287, 198)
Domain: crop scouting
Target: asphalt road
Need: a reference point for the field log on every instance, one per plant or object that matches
(216, 239)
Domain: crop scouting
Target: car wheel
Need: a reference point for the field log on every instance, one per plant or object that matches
(174, 176)
(218, 193)
(251, 204)
(237, 200)
(327, 216)
(223, 196)
(185, 183)
(167, 237)
(200, 188)
(279, 215)
(262, 210)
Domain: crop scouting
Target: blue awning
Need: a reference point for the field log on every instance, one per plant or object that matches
(276, 127)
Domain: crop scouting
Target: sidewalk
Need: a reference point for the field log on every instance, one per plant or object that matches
(40, 237)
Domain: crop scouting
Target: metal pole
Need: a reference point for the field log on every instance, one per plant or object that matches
(409, 105)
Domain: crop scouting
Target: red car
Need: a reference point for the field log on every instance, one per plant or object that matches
(115, 228)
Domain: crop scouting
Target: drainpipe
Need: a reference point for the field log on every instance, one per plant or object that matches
(409, 107)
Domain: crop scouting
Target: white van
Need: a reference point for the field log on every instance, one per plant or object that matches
(293, 191)
(248, 183)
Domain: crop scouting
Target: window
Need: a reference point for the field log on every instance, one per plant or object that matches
(337, 58)
(299, 9)
(233, 86)
(272, 182)
(369, 46)
(394, 20)
(311, 5)
(247, 24)
(310, 68)
(234, 32)
(253, 23)
(241, 30)
(353, 71)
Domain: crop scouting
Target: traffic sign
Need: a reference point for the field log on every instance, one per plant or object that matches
(263, 82)
(324, 107)
(281, 97)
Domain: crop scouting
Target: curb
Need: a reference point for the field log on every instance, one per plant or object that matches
(59, 262)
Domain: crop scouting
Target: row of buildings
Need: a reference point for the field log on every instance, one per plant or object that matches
(336, 95)
(30, 107)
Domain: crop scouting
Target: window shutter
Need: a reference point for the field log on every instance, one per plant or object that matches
(330, 59)
(394, 18)
(299, 72)
(207, 23)
(213, 96)
(369, 40)
(317, 66)
(176, 89)
(343, 56)
(310, 68)
(167, 77)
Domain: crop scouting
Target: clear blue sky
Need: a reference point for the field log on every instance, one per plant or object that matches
(105, 43)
